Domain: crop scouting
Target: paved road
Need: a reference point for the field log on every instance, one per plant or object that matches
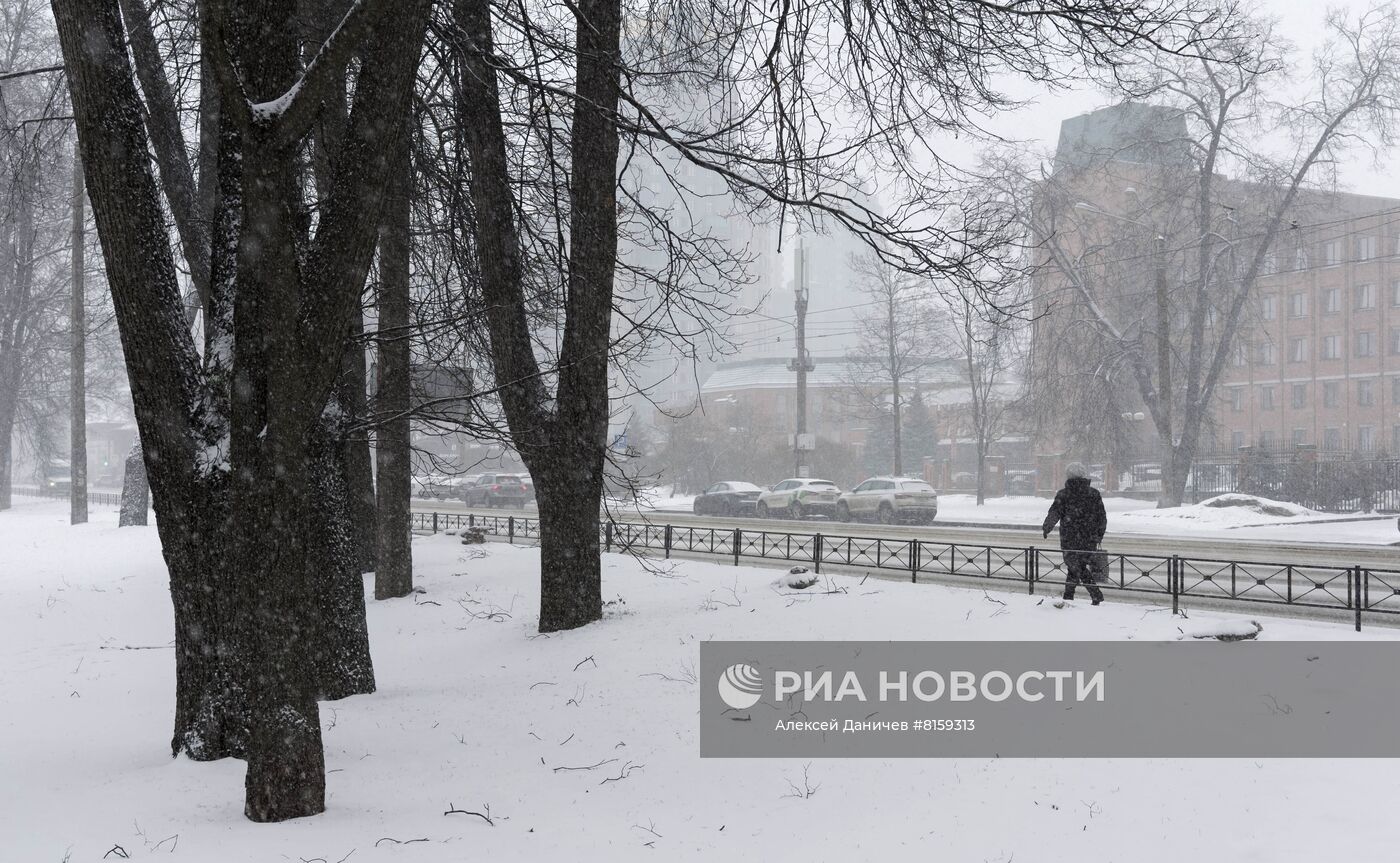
(1270, 551)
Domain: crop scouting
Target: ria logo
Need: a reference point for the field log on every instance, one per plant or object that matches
(741, 686)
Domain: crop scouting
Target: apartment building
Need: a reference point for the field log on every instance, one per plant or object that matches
(1320, 363)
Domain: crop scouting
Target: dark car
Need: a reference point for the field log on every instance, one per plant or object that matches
(727, 498)
(497, 489)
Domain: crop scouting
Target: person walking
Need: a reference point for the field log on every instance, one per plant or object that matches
(1078, 510)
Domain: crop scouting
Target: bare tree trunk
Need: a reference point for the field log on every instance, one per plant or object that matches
(896, 405)
(563, 440)
(571, 577)
(571, 565)
(168, 144)
(358, 467)
(243, 539)
(7, 434)
(16, 279)
(981, 469)
(342, 654)
(77, 365)
(136, 491)
(393, 575)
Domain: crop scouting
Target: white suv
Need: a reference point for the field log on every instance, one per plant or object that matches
(799, 498)
(890, 499)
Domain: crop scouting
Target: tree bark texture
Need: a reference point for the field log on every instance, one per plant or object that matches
(393, 575)
(136, 491)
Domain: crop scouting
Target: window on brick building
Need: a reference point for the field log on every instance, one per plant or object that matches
(1331, 347)
(1332, 439)
(1298, 349)
(1365, 248)
(1331, 394)
(1236, 439)
(1239, 356)
(1365, 297)
(1395, 293)
(1394, 341)
(1365, 344)
(1236, 398)
(1331, 301)
(1332, 253)
(1394, 439)
(1365, 438)
(1395, 391)
(1266, 398)
(1264, 354)
(1300, 437)
(1268, 307)
(1298, 305)
(1300, 396)
(1365, 393)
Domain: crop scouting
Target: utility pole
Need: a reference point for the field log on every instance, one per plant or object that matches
(1164, 366)
(77, 380)
(801, 364)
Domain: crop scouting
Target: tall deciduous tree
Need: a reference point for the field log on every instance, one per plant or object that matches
(895, 343)
(732, 90)
(240, 444)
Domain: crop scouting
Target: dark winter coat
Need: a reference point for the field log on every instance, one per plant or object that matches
(1078, 510)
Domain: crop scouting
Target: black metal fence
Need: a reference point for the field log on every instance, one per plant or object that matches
(100, 498)
(1330, 484)
(1352, 590)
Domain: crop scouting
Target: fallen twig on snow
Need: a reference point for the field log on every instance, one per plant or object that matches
(589, 767)
(453, 810)
(624, 773)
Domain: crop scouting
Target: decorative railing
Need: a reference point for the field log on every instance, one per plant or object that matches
(1355, 590)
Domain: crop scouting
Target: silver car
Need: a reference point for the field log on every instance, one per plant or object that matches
(890, 499)
(799, 498)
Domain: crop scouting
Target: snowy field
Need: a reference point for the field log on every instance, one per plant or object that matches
(583, 745)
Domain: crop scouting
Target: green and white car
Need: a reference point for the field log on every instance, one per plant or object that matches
(890, 499)
(799, 498)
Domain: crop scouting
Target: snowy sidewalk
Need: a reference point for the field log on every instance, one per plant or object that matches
(584, 744)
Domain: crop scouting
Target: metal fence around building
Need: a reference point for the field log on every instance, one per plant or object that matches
(1320, 481)
(1345, 589)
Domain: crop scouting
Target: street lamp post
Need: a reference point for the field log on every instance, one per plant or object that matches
(801, 363)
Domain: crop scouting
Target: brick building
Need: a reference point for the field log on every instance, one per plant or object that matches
(1316, 358)
(1320, 364)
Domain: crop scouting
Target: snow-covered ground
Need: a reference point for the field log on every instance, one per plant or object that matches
(475, 710)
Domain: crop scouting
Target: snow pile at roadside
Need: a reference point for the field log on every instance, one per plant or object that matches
(584, 745)
(1224, 511)
(1259, 505)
